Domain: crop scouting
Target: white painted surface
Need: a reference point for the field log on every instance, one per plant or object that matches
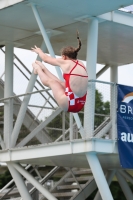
(71, 154)
(7, 3)
(18, 24)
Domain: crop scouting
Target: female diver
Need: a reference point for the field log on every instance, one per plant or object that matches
(71, 93)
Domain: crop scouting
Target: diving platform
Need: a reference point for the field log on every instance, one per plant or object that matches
(66, 154)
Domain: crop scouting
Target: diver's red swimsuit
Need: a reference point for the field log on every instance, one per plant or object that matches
(75, 103)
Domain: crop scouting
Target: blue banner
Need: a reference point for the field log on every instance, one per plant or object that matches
(125, 125)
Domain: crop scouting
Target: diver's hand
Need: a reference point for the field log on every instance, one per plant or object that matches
(36, 50)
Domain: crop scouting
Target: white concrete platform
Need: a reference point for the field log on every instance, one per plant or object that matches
(67, 154)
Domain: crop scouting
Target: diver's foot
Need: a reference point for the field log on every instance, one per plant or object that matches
(35, 68)
(40, 64)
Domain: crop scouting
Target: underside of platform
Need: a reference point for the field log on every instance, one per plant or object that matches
(61, 25)
(66, 154)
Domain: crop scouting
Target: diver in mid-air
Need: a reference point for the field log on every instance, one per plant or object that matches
(71, 93)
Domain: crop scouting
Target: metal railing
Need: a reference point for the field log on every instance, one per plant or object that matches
(101, 117)
(103, 113)
(100, 110)
(46, 98)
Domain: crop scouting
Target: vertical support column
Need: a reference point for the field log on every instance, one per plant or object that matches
(99, 176)
(92, 40)
(91, 68)
(19, 182)
(113, 100)
(114, 74)
(8, 91)
(125, 187)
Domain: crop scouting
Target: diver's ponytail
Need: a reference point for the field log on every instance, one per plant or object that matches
(79, 43)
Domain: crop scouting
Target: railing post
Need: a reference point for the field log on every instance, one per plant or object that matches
(113, 111)
(71, 126)
(63, 125)
(113, 100)
(89, 112)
